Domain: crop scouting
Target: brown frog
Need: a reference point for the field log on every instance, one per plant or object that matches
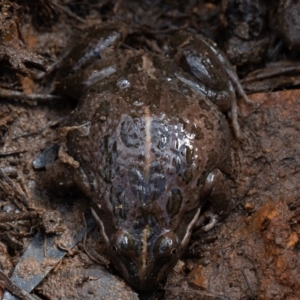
(149, 144)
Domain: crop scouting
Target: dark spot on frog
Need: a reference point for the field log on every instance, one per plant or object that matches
(159, 136)
(132, 132)
(119, 201)
(208, 125)
(199, 135)
(174, 202)
(109, 154)
(106, 173)
(147, 187)
(212, 157)
(183, 162)
(188, 172)
(205, 106)
(200, 179)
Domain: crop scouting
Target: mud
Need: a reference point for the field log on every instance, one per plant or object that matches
(253, 254)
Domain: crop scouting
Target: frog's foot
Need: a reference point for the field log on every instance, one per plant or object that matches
(216, 195)
(216, 78)
(213, 220)
(230, 72)
(209, 216)
(234, 86)
(208, 221)
(89, 59)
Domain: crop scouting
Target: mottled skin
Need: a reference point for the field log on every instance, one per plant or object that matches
(150, 146)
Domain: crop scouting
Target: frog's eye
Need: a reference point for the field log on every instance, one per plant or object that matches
(166, 244)
(197, 65)
(122, 242)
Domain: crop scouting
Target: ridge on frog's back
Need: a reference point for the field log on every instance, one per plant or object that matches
(150, 156)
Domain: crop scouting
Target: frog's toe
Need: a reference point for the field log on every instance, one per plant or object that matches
(213, 220)
(237, 85)
(234, 120)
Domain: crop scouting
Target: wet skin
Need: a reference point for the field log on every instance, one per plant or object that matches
(151, 143)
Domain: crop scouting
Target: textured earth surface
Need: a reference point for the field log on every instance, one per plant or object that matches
(253, 254)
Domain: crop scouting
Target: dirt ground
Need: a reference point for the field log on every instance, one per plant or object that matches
(253, 254)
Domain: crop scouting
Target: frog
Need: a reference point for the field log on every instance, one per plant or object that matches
(150, 144)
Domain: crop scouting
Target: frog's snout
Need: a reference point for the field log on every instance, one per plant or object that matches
(144, 260)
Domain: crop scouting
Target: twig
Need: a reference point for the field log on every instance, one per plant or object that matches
(8, 186)
(13, 288)
(102, 259)
(13, 152)
(12, 217)
(271, 72)
(248, 283)
(11, 94)
(68, 12)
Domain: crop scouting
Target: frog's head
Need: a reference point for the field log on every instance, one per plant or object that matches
(144, 259)
(143, 250)
(144, 255)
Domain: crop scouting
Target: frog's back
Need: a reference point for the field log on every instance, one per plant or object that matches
(151, 143)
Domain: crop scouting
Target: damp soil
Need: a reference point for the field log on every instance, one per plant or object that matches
(252, 254)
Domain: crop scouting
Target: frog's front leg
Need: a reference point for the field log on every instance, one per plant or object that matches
(91, 58)
(216, 195)
(216, 78)
(228, 69)
(234, 84)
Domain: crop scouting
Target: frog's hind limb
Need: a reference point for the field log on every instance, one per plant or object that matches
(216, 196)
